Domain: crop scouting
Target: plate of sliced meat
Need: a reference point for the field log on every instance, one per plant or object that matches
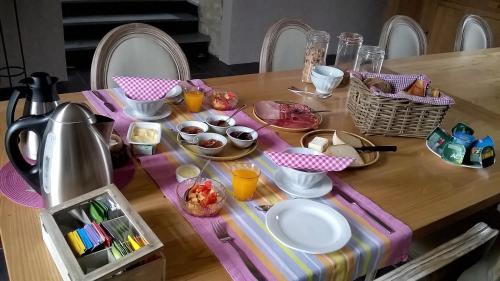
(287, 116)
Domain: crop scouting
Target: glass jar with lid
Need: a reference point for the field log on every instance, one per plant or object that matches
(347, 50)
(316, 49)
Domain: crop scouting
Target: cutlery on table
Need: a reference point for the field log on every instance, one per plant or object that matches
(296, 90)
(236, 111)
(350, 200)
(263, 208)
(106, 103)
(261, 127)
(222, 234)
(377, 148)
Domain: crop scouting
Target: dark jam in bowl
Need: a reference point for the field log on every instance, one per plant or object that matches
(241, 135)
(219, 123)
(210, 143)
(191, 130)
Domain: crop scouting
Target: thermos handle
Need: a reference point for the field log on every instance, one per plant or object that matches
(33, 123)
(11, 106)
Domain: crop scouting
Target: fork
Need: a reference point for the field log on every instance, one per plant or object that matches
(223, 236)
(106, 103)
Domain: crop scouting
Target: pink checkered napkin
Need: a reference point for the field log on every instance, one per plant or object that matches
(138, 88)
(309, 162)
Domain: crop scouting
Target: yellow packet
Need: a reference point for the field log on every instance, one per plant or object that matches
(76, 243)
(134, 244)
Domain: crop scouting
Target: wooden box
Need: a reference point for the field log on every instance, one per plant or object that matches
(146, 263)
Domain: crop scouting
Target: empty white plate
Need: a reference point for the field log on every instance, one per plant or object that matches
(308, 226)
(323, 187)
(163, 112)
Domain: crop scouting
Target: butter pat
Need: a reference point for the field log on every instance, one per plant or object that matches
(318, 143)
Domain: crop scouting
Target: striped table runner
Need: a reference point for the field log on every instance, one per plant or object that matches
(370, 247)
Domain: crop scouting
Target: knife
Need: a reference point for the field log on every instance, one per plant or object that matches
(377, 148)
(106, 104)
(350, 200)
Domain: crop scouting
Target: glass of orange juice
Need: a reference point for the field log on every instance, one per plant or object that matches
(245, 177)
(193, 99)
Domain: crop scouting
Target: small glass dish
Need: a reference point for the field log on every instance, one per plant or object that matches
(222, 99)
(197, 209)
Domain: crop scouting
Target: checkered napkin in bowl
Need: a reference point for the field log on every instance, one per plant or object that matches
(139, 88)
(309, 162)
(401, 82)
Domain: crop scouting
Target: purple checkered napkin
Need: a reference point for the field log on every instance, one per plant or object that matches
(309, 162)
(139, 88)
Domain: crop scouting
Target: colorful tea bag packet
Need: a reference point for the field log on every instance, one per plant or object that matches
(461, 147)
(102, 234)
(85, 239)
(75, 243)
(98, 211)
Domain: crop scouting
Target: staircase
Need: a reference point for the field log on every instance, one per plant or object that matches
(87, 21)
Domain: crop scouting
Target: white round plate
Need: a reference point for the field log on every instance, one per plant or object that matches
(308, 226)
(163, 112)
(323, 187)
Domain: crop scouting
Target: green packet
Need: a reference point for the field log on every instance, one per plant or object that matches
(454, 152)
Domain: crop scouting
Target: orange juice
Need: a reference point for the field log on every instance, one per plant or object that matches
(194, 100)
(245, 178)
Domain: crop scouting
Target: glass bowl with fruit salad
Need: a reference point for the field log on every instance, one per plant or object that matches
(203, 199)
(223, 99)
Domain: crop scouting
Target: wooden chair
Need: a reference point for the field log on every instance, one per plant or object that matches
(137, 49)
(284, 46)
(402, 37)
(443, 255)
(473, 33)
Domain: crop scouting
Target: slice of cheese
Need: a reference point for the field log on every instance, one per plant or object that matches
(318, 143)
(343, 138)
(336, 140)
(345, 150)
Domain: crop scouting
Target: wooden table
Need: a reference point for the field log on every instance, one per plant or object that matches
(412, 184)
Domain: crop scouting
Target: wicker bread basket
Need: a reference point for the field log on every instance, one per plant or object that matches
(377, 115)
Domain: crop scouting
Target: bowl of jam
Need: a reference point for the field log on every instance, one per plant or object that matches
(190, 129)
(210, 143)
(242, 137)
(220, 123)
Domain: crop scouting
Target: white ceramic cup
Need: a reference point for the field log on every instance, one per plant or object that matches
(326, 78)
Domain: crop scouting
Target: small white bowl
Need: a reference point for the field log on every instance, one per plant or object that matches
(326, 78)
(175, 95)
(185, 172)
(302, 179)
(145, 107)
(190, 137)
(220, 129)
(207, 136)
(242, 143)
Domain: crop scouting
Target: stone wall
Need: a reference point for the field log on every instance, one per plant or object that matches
(210, 22)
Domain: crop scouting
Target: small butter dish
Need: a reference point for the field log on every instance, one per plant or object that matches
(319, 144)
(185, 172)
(143, 137)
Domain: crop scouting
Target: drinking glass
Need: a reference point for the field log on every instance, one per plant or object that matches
(347, 50)
(370, 59)
(245, 177)
(193, 99)
(316, 49)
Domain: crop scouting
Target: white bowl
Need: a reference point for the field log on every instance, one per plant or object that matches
(180, 172)
(326, 78)
(242, 143)
(190, 137)
(220, 129)
(302, 179)
(145, 107)
(207, 136)
(175, 95)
